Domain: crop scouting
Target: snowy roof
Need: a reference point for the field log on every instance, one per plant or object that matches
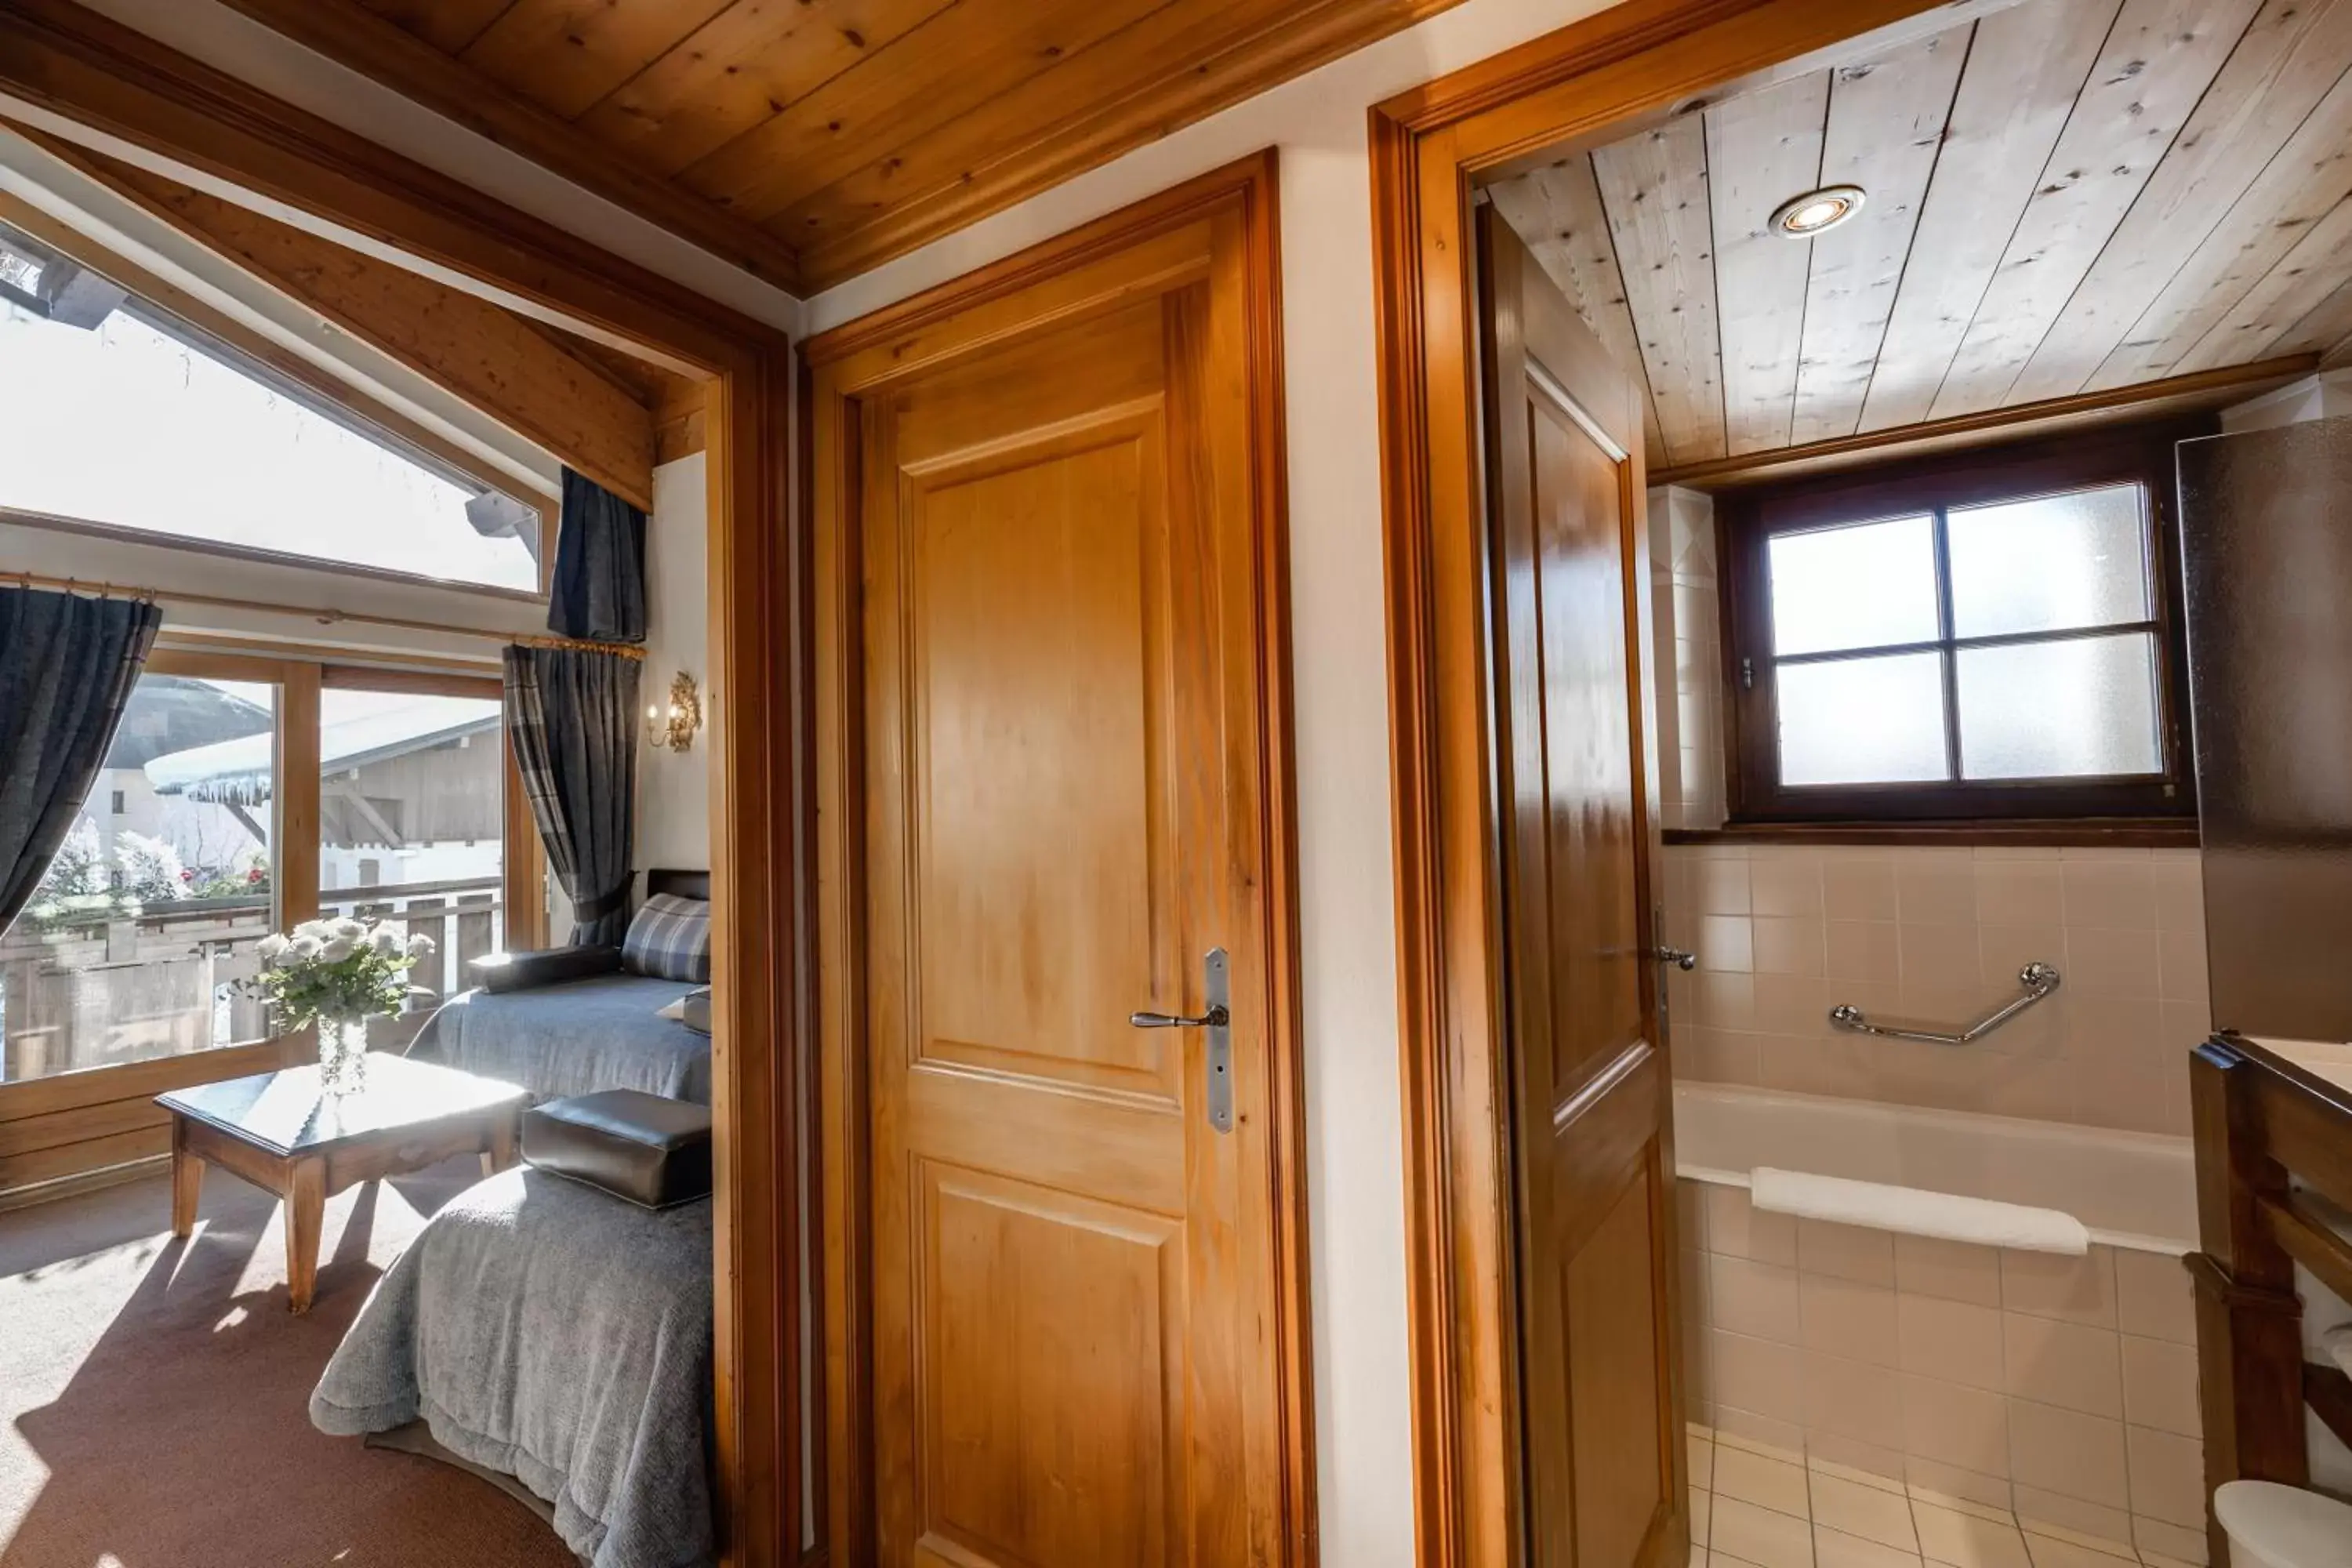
(238, 771)
(169, 713)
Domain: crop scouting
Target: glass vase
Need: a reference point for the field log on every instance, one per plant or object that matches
(342, 1055)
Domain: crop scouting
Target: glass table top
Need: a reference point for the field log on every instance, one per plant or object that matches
(288, 1111)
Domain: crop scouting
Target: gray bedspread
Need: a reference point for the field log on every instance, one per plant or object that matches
(579, 1038)
(545, 1329)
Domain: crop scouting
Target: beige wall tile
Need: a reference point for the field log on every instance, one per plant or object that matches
(1941, 956)
(1853, 1399)
(2154, 1297)
(2004, 949)
(1727, 998)
(1951, 1270)
(1791, 1003)
(1759, 1300)
(2049, 1285)
(1864, 950)
(1871, 1464)
(2160, 1386)
(1846, 1319)
(2181, 971)
(1846, 1252)
(1957, 1340)
(1964, 1540)
(1725, 945)
(2068, 1453)
(2168, 1476)
(2178, 876)
(2103, 960)
(2020, 892)
(1788, 945)
(1776, 1484)
(2114, 890)
(1948, 1485)
(1787, 1436)
(2073, 1365)
(1737, 1228)
(1756, 1375)
(1690, 1213)
(1948, 1424)
(1858, 888)
(1786, 882)
(1932, 887)
(1719, 886)
(1714, 1056)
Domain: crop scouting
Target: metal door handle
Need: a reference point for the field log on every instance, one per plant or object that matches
(1676, 956)
(1217, 1018)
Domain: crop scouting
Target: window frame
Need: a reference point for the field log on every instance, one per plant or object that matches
(1747, 519)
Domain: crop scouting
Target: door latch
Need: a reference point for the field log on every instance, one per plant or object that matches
(1217, 1018)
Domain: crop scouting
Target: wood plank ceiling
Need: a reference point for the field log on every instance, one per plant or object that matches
(2066, 196)
(811, 139)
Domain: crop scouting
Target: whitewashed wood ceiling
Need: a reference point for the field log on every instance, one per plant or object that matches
(2064, 195)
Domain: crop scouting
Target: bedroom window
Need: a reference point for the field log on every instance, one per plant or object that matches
(132, 946)
(1981, 639)
(223, 456)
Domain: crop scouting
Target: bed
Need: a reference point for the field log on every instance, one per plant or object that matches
(580, 1034)
(543, 1329)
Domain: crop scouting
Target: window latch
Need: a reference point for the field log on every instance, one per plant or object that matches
(1748, 675)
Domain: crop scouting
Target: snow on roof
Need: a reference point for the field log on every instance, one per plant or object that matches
(240, 771)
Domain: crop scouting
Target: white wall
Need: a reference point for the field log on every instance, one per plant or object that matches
(1348, 928)
(674, 789)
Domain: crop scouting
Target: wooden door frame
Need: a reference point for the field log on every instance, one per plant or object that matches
(92, 81)
(856, 360)
(1429, 145)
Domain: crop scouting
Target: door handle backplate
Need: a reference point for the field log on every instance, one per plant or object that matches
(1216, 1017)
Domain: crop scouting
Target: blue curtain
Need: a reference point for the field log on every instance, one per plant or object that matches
(571, 718)
(598, 590)
(67, 667)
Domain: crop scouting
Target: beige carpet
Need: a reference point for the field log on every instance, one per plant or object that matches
(152, 1394)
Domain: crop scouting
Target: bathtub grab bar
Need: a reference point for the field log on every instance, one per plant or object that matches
(2038, 979)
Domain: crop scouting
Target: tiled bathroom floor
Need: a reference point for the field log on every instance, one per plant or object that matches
(1753, 1505)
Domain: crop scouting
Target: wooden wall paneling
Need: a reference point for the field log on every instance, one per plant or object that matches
(2025, 67)
(75, 1159)
(564, 54)
(2286, 296)
(2294, 191)
(1885, 124)
(447, 24)
(1557, 211)
(346, 32)
(93, 78)
(750, 62)
(1762, 148)
(1654, 188)
(2288, 58)
(507, 367)
(2159, 58)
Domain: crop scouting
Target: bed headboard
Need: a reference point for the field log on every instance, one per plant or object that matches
(682, 884)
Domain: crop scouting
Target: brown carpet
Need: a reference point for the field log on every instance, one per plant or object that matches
(154, 1394)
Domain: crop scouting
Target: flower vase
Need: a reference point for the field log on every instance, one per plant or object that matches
(342, 1055)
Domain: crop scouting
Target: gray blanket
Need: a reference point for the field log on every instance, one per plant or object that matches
(575, 1038)
(545, 1329)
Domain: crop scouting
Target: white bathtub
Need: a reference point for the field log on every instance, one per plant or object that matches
(2136, 1190)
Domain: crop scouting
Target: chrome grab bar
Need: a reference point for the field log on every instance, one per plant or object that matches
(2038, 979)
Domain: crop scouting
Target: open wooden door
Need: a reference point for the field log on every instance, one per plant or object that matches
(1601, 1479)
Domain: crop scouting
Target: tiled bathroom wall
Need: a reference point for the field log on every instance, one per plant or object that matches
(2062, 1389)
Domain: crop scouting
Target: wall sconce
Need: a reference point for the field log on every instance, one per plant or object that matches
(675, 725)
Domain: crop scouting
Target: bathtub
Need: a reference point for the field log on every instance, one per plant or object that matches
(2132, 1190)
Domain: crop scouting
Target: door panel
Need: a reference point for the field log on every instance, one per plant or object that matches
(1600, 1483)
(1072, 1271)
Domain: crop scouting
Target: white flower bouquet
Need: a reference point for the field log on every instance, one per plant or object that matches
(336, 970)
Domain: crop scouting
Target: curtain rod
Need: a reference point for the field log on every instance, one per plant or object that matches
(324, 617)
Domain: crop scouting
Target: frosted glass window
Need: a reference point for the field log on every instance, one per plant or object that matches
(1863, 720)
(2084, 708)
(1869, 586)
(2052, 563)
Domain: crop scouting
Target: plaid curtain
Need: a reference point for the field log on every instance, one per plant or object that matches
(571, 720)
(65, 680)
(598, 590)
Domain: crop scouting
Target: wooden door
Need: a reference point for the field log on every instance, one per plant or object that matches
(1074, 1310)
(1602, 1454)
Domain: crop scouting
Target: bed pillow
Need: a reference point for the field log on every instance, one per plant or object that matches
(669, 939)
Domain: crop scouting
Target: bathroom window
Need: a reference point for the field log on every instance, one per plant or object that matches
(1984, 637)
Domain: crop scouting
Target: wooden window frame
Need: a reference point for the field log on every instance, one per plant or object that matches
(1747, 519)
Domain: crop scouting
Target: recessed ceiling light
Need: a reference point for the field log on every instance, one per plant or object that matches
(1817, 212)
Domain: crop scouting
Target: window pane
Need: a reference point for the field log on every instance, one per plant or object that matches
(1863, 721)
(2085, 706)
(149, 912)
(410, 800)
(2050, 563)
(122, 423)
(1864, 586)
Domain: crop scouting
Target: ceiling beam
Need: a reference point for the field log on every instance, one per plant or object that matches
(496, 362)
(2179, 394)
(361, 40)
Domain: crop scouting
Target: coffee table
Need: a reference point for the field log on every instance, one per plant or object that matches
(283, 1133)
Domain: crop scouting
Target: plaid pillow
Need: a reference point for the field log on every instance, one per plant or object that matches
(669, 939)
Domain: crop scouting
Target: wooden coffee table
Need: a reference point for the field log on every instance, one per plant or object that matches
(281, 1133)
